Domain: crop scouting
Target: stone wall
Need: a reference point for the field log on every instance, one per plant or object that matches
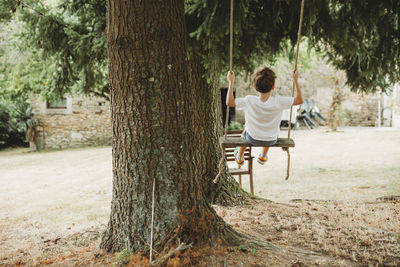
(85, 121)
(319, 83)
(356, 110)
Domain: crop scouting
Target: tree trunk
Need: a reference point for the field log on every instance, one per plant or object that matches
(153, 110)
(334, 120)
(208, 121)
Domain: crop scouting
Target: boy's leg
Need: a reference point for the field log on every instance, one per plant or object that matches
(265, 150)
(242, 149)
(262, 157)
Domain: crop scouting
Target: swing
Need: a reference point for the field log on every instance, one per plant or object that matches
(284, 143)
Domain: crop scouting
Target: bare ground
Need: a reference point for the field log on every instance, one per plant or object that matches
(54, 206)
(356, 164)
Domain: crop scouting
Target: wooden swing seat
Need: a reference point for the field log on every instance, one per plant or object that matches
(239, 141)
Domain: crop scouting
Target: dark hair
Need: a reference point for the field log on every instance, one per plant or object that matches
(264, 80)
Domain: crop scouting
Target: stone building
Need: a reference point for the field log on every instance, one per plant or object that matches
(318, 83)
(72, 122)
(356, 109)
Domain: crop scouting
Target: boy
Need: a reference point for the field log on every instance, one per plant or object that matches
(262, 113)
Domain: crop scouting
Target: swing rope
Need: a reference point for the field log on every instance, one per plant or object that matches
(295, 64)
(230, 63)
(222, 160)
(221, 163)
(295, 69)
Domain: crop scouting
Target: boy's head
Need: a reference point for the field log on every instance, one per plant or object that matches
(264, 80)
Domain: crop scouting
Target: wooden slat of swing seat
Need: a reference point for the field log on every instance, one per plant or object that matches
(231, 149)
(237, 171)
(231, 155)
(238, 141)
(233, 159)
(235, 132)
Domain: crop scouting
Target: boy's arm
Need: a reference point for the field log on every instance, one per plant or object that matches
(298, 100)
(230, 99)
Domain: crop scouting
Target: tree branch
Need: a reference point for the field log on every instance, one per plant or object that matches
(100, 94)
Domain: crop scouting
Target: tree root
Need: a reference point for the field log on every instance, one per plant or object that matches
(287, 255)
(388, 198)
(161, 261)
(231, 237)
(228, 192)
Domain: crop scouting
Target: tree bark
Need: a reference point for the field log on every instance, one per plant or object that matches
(334, 119)
(153, 110)
(208, 121)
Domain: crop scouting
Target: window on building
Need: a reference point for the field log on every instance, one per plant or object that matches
(59, 104)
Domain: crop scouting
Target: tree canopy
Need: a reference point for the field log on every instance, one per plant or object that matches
(69, 37)
(360, 37)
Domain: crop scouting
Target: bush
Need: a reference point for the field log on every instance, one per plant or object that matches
(4, 127)
(12, 124)
(235, 126)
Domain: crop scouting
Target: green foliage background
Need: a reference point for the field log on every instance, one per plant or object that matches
(63, 48)
(360, 37)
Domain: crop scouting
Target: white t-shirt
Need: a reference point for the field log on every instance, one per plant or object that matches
(263, 118)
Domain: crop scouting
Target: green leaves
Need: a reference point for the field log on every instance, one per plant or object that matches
(359, 37)
(68, 41)
(362, 38)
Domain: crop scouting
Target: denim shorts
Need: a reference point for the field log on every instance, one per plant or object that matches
(246, 136)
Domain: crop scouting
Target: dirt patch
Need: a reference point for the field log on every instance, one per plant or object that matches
(55, 205)
(325, 233)
(51, 195)
(366, 233)
(356, 164)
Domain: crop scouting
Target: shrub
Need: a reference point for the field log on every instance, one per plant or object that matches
(4, 126)
(235, 126)
(13, 119)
